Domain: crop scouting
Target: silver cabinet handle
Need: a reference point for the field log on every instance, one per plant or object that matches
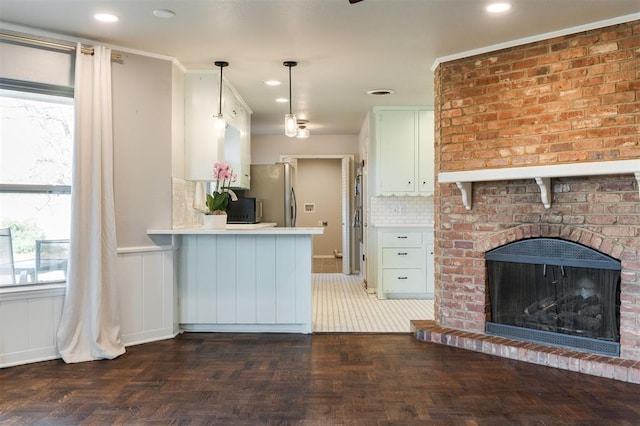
(402, 278)
(402, 237)
(402, 254)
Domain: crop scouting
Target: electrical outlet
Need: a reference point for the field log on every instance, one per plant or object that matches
(395, 210)
(400, 210)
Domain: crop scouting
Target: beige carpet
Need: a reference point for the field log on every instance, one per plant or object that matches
(341, 304)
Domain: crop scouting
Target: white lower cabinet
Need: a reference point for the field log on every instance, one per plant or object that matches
(245, 282)
(405, 263)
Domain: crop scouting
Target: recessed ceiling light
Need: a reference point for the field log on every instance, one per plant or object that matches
(282, 100)
(498, 7)
(273, 83)
(164, 13)
(380, 92)
(105, 17)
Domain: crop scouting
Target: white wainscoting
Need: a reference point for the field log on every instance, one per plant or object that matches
(147, 294)
(29, 318)
(28, 323)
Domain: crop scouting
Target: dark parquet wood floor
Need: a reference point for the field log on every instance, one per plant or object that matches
(324, 379)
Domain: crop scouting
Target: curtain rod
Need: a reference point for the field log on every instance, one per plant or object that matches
(44, 43)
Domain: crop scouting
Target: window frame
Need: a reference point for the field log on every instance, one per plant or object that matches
(13, 188)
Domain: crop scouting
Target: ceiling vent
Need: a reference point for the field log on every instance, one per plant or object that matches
(380, 92)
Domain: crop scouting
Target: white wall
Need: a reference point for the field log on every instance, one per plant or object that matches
(142, 120)
(319, 181)
(266, 149)
(177, 122)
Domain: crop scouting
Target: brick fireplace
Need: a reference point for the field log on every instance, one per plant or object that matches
(566, 100)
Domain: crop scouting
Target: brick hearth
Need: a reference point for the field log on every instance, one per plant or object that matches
(564, 100)
(595, 365)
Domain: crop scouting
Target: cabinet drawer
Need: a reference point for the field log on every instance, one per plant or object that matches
(402, 239)
(403, 281)
(402, 257)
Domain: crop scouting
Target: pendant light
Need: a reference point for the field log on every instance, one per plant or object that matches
(290, 122)
(220, 121)
(302, 132)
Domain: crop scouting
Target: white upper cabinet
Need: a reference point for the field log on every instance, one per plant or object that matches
(395, 139)
(231, 108)
(426, 160)
(204, 143)
(403, 140)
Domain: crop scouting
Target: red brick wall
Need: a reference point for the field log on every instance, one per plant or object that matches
(569, 99)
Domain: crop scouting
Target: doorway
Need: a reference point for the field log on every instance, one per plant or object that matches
(317, 208)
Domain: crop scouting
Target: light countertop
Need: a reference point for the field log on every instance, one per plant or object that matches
(402, 225)
(240, 229)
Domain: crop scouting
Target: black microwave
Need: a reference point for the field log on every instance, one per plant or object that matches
(245, 210)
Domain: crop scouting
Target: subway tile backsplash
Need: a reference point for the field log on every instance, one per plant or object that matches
(183, 214)
(400, 210)
(383, 210)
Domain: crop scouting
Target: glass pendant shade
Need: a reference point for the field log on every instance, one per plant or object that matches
(220, 122)
(290, 125)
(303, 133)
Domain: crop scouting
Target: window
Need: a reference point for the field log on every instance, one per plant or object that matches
(36, 141)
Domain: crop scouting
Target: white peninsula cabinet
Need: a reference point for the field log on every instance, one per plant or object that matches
(247, 279)
(405, 262)
(204, 143)
(403, 150)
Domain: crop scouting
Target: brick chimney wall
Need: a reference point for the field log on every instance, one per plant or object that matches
(569, 99)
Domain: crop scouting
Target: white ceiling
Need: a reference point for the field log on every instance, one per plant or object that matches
(342, 49)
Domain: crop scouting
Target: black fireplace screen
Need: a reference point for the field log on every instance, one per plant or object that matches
(555, 286)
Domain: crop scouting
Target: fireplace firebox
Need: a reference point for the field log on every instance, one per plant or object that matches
(556, 292)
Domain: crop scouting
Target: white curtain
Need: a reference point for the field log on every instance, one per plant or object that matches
(89, 328)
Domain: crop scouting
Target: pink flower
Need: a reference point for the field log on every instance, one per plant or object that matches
(223, 176)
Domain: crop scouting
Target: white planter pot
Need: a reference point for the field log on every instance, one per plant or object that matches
(215, 221)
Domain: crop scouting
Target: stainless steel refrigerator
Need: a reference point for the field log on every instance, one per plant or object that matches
(273, 185)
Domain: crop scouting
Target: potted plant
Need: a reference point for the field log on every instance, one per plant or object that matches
(218, 201)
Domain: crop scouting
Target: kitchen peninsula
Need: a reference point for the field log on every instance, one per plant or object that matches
(243, 278)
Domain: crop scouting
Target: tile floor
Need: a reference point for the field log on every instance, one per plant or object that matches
(341, 304)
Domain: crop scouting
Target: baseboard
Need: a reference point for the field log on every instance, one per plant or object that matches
(29, 356)
(148, 336)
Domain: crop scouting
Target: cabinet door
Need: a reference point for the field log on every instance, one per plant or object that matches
(403, 257)
(404, 281)
(237, 144)
(232, 149)
(395, 152)
(425, 152)
(401, 239)
(230, 106)
(245, 150)
(238, 150)
(430, 278)
(203, 141)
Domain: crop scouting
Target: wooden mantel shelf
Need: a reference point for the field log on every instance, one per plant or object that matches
(541, 174)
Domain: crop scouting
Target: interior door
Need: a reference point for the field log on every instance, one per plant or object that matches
(346, 216)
